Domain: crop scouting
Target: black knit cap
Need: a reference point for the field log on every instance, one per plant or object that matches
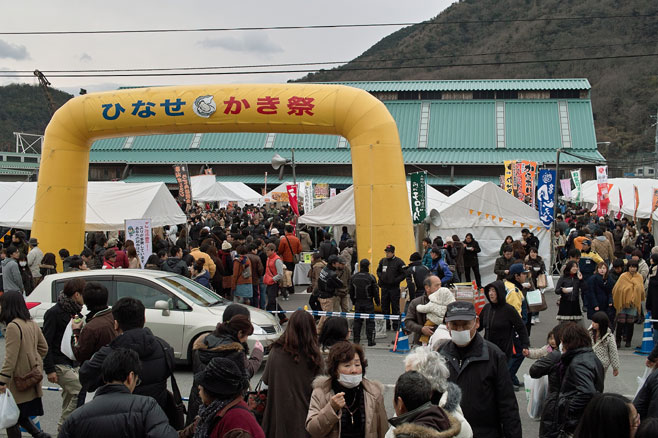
(223, 377)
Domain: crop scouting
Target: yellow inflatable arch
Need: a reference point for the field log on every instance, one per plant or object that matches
(380, 194)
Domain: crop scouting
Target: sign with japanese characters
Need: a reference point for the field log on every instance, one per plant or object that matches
(184, 188)
(528, 172)
(566, 187)
(321, 191)
(292, 198)
(575, 175)
(418, 182)
(602, 174)
(510, 166)
(546, 196)
(308, 196)
(139, 231)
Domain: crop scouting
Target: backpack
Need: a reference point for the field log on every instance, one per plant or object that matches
(246, 271)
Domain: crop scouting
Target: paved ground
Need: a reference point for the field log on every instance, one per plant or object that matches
(385, 367)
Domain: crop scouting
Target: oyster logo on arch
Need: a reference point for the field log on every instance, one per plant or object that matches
(204, 106)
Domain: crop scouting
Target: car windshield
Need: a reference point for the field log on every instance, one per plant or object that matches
(193, 290)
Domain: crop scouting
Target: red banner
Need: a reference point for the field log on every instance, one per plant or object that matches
(602, 200)
(518, 180)
(292, 198)
(637, 203)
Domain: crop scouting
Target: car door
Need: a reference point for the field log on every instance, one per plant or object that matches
(165, 324)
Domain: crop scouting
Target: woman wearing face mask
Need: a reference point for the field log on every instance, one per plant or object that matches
(26, 274)
(569, 288)
(627, 296)
(344, 403)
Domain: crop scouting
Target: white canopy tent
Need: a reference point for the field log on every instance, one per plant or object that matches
(227, 191)
(339, 210)
(490, 214)
(199, 183)
(645, 189)
(108, 205)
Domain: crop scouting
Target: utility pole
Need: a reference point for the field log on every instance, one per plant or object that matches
(43, 81)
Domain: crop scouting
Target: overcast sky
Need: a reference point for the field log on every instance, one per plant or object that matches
(195, 49)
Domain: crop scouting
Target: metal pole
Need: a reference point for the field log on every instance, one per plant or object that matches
(294, 181)
(555, 204)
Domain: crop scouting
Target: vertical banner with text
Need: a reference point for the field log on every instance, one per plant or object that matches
(602, 198)
(308, 196)
(292, 198)
(509, 176)
(575, 175)
(183, 178)
(546, 196)
(139, 231)
(566, 188)
(418, 183)
(519, 181)
(529, 170)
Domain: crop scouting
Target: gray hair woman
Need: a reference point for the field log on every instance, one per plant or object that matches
(446, 395)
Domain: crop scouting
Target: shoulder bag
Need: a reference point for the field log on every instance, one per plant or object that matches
(295, 257)
(174, 409)
(32, 378)
(256, 400)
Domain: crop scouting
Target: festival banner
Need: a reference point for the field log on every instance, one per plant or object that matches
(292, 198)
(332, 192)
(139, 231)
(519, 181)
(602, 174)
(321, 191)
(637, 202)
(508, 184)
(602, 200)
(529, 172)
(308, 196)
(184, 189)
(418, 182)
(654, 205)
(566, 187)
(546, 196)
(621, 204)
(575, 175)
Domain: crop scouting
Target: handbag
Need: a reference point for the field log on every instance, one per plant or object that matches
(256, 400)
(541, 281)
(246, 271)
(536, 301)
(32, 378)
(295, 257)
(174, 407)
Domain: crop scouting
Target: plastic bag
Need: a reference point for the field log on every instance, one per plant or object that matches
(65, 346)
(641, 380)
(535, 392)
(8, 410)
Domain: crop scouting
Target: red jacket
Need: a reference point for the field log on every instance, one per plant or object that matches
(122, 258)
(284, 247)
(237, 420)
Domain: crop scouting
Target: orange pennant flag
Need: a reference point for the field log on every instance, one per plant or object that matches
(493, 217)
(522, 223)
(470, 211)
(513, 222)
(487, 215)
(500, 219)
(479, 213)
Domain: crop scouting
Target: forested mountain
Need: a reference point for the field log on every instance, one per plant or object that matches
(485, 33)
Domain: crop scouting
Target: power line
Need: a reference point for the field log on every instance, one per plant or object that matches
(328, 26)
(437, 66)
(337, 62)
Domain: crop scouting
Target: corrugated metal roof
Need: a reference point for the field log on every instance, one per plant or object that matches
(532, 125)
(471, 85)
(462, 124)
(228, 156)
(20, 172)
(243, 140)
(580, 123)
(488, 156)
(18, 165)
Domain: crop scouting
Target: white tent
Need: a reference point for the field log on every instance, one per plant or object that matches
(339, 210)
(227, 191)
(645, 189)
(108, 205)
(199, 183)
(490, 214)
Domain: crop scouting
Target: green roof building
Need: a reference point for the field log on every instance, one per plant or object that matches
(456, 130)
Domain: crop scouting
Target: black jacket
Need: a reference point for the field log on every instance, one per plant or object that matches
(547, 366)
(582, 378)
(502, 264)
(531, 242)
(646, 401)
(471, 256)
(488, 399)
(176, 265)
(599, 294)
(328, 282)
(390, 272)
(363, 288)
(327, 249)
(115, 412)
(55, 321)
(155, 370)
(501, 322)
(416, 273)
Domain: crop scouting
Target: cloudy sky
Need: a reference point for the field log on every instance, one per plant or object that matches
(190, 49)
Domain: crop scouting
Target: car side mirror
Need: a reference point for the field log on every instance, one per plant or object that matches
(164, 306)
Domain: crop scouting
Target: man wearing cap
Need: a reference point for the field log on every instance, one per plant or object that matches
(479, 368)
(391, 271)
(363, 290)
(588, 260)
(34, 258)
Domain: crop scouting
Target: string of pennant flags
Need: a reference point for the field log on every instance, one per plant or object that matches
(493, 217)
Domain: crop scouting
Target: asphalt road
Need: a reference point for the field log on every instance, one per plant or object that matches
(385, 367)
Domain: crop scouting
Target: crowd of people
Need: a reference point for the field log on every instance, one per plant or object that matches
(460, 377)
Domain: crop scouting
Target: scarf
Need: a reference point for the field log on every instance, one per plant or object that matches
(206, 416)
(68, 305)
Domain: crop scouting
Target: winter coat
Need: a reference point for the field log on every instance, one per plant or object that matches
(390, 272)
(569, 302)
(644, 243)
(203, 278)
(426, 421)
(236, 421)
(437, 305)
(327, 249)
(34, 258)
(471, 255)
(548, 366)
(95, 334)
(364, 289)
(289, 394)
(502, 264)
(151, 355)
(441, 269)
(415, 320)
(257, 270)
(25, 347)
(628, 292)
(177, 266)
(322, 420)
(306, 241)
(11, 276)
(289, 246)
(240, 264)
(601, 245)
(328, 282)
(458, 248)
(536, 267)
(416, 273)
(450, 402)
(55, 321)
(501, 322)
(582, 377)
(514, 297)
(344, 275)
(617, 236)
(646, 401)
(314, 273)
(122, 258)
(599, 294)
(209, 264)
(115, 412)
(488, 399)
(605, 349)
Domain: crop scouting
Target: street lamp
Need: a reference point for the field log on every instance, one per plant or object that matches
(279, 162)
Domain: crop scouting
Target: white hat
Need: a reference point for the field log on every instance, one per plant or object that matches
(274, 231)
(226, 246)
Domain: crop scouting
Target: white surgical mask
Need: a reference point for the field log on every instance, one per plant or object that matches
(461, 338)
(23, 263)
(560, 348)
(350, 380)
